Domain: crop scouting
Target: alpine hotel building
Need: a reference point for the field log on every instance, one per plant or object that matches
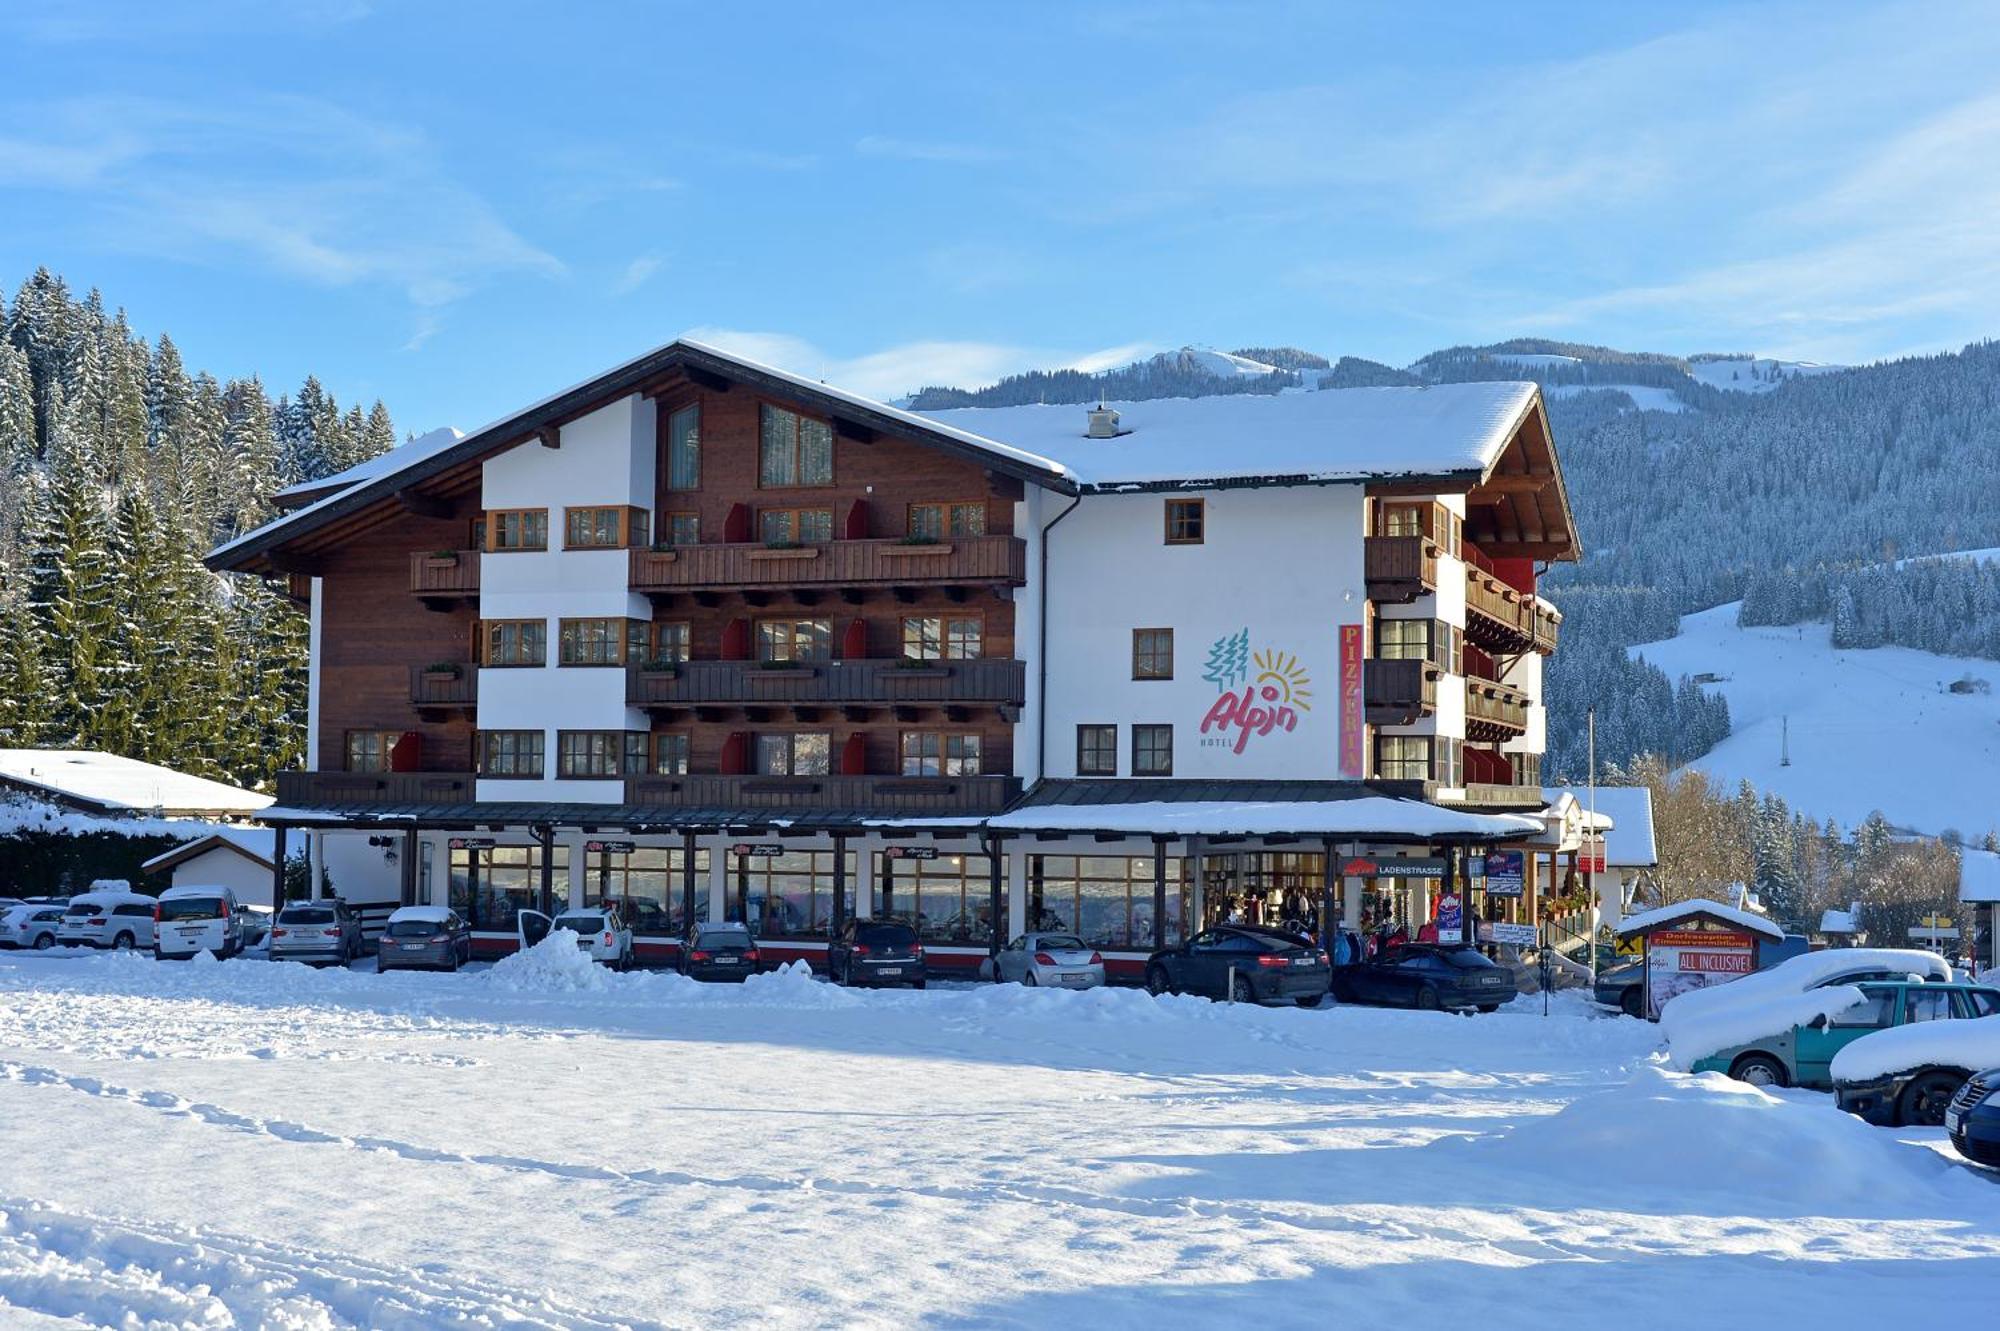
(709, 638)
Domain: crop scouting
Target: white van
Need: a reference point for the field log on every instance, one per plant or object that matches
(197, 918)
(107, 917)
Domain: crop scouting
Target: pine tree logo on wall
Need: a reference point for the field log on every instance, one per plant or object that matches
(1228, 660)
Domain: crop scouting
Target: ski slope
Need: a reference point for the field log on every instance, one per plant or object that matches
(1869, 729)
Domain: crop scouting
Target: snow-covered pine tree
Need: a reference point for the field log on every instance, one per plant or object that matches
(69, 582)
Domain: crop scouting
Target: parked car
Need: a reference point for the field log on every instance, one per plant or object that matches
(256, 924)
(317, 932)
(194, 919)
(1623, 987)
(1909, 1074)
(1244, 963)
(1803, 1054)
(720, 951)
(599, 931)
(1973, 1118)
(876, 952)
(1059, 960)
(424, 938)
(107, 917)
(30, 925)
(1428, 976)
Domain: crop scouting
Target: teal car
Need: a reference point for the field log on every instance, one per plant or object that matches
(1803, 1055)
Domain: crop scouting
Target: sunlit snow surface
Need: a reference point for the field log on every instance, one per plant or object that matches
(249, 1144)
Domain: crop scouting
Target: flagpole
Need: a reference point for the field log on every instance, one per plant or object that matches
(1591, 840)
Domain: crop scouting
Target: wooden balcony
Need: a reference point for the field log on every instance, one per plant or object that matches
(872, 794)
(1519, 798)
(441, 579)
(1497, 617)
(1399, 569)
(1398, 692)
(1547, 627)
(997, 682)
(967, 560)
(442, 691)
(1494, 711)
(319, 789)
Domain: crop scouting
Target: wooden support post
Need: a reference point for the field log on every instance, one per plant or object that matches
(1462, 858)
(277, 868)
(1329, 900)
(410, 867)
(1159, 893)
(837, 918)
(995, 910)
(547, 836)
(687, 883)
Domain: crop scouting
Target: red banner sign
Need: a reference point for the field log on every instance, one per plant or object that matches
(1352, 767)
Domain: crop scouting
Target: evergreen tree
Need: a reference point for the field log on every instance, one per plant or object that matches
(69, 579)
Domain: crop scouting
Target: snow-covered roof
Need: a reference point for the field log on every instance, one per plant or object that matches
(255, 843)
(1838, 922)
(402, 455)
(1629, 842)
(1973, 1046)
(1377, 815)
(1340, 434)
(1680, 910)
(109, 783)
(1978, 875)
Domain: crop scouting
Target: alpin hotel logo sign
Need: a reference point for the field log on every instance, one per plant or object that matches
(1259, 692)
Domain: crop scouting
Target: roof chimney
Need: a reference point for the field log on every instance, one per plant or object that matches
(1103, 423)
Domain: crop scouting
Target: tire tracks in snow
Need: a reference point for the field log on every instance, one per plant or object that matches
(113, 1271)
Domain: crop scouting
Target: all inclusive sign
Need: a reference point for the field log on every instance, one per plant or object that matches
(1258, 692)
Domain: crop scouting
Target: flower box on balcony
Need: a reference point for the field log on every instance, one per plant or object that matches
(785, 552)
(442, 674)
(907, 668)
(920, 549)
(785, 669)
(441, 559)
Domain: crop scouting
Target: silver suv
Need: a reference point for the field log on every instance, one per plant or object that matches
(323, 931)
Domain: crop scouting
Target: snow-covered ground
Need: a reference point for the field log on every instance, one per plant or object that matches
(1869, 728)
(1646, 397)
(251, 1144)
(1757, 374)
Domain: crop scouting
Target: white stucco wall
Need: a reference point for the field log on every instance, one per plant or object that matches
(249, 880)
(607, 457)
(1285, 564)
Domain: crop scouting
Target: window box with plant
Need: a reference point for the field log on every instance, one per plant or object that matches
(441, 559)
(438, 672)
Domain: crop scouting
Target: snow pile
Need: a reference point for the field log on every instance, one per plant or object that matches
(554, 965)
(1706, 1021)
(791, 985)
(1669, 1133)
(1973, 1046)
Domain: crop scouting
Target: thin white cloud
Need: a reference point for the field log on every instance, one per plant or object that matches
(902, 369)
(927, 150)
(637, 273)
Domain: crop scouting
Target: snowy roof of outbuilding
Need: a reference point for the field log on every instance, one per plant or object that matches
(1681, 910)
(253, 843)
(1337, 435)
(106, 783)
(1628, 843)
(1978, 875)
(1838, 922)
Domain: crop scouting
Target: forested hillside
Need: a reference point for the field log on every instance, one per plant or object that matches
(119, 469)
(1184, 373)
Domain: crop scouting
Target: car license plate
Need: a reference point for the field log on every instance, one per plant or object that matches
(191, 933)
(727, 961)
(413, 947)
(1951, 1120)
(1078, 980)
(890, 970)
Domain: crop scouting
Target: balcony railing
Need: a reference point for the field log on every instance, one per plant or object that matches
(319, 789)
(1494, 710)
(445, 575)
(1397, 692)
(1547, 627)
(750, 683)
(990, 559)
(458, 687)
(1399, 569)
(876, 794)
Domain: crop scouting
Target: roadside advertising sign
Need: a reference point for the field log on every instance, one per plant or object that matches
(1678, 960)
(1504, 876)
(1421, 867)
(1450, 924)
(1514, 935)
(763, 850)
(610, 847)
(911, 853)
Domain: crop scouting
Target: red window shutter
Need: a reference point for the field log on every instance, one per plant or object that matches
(736, 640)
(735, 754)
(856, 526)
(854, 756)
(736, 527)
(854, 641)
(407, 754)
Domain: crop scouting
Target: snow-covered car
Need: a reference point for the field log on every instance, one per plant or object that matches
(1702, 1023)
(599, 931)
(1058, 960)
(30, 925)
(424, 938)
(1909, 1074)
(192, 919)
(720, 951)
(1803, 1054)
(316, 931)
(107, 917)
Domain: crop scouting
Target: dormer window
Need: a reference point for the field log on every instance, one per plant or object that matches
(793, 449)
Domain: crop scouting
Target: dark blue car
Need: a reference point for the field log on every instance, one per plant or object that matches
(1427, 975)
(1973, 1118)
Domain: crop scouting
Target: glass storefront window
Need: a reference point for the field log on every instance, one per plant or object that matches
(788, 895)
(947, 900)
(1106, 900)
(491, 884)
(645, 885)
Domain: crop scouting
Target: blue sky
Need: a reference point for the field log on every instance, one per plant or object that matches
(459, 207)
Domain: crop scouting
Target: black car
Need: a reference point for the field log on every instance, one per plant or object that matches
(1427, 975)
(721, 951)
(1973, 1118)
(1624, 987)
(1916, 1097)
(1244, 963)
(876, 952)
